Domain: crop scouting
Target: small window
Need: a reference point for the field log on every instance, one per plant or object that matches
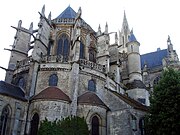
(53, 79)
(156, 80)
(142, 100)
(21, 82)
(91, 85)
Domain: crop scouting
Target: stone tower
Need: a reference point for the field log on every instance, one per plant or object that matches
(134, 63)
(19, 49)
(137, 89)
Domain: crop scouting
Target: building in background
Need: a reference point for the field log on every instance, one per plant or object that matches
(66, 68)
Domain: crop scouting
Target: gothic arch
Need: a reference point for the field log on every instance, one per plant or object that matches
(34, 124)
(5, 120)
(92, 85)
(53, 80)
(63, 46)
(95, 124)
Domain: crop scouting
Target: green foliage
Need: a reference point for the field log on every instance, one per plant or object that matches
(164, 113)
(72, 125)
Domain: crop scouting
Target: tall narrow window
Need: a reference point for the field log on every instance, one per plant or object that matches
(53, 79)
(91, 85)
(81, 54)
(60, 46)
(63, 46)
(95, 126)
(134, 123)
(34, 124)
(141, 126)
(49, 48)
(4, 120)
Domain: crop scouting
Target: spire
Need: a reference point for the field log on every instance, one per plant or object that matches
(99, 30)
(125, 22)
(106, 28)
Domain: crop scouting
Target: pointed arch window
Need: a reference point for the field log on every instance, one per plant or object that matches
(81, 54)
(21, 82)
(34, 124)
(91, 85)
(95, 126)
(53, 79)
(63, 46)
(4, 120)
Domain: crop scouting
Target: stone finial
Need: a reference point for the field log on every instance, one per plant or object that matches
(106, 28)
(99, 28)
(19, 23)
(31, 27)
(49, 16)
(43, 10)
(79, 11)
(116, 38)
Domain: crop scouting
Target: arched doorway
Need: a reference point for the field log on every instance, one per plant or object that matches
(4, 120)
(95, 126)
(34, 124)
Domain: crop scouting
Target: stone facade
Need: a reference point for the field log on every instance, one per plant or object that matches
(74, 70)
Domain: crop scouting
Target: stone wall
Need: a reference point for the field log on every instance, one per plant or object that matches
(15, 120)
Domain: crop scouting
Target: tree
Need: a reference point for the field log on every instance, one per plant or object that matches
(72, 125)
(164, 111)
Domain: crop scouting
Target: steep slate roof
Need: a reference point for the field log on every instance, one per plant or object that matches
(12, 91)
(132, 37)
(68, 13)
(135, 104)
(52, 93)
(153, 59)
(92, 99)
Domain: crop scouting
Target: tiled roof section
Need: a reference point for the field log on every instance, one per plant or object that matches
(132, 37)
(136, 84)
(92, 99)
(12, 91)
(52, 93)
(135, 104)
(68, 13)
(153, 59)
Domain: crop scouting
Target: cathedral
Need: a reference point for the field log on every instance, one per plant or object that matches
(66, 68)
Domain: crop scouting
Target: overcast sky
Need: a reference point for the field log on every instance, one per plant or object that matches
(152, 20)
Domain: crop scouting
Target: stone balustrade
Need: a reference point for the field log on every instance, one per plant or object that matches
(54, 58)
(92, 65)
(23, 63)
